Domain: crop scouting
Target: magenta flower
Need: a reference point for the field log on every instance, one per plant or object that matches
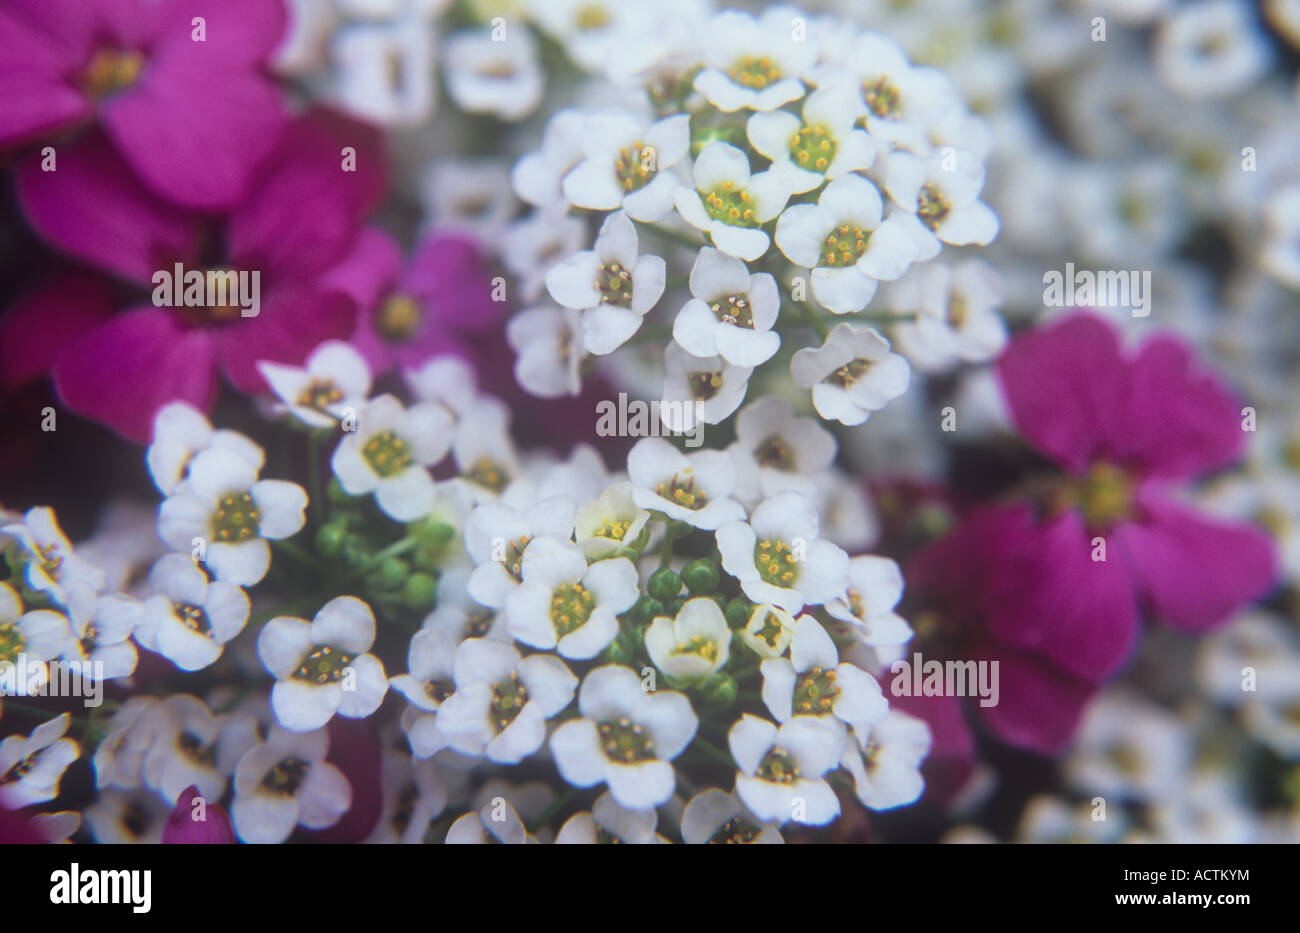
(184, 829)
(189, 107)
(1126, 429)
(1024, 583)
(410, 313)
(300, 219)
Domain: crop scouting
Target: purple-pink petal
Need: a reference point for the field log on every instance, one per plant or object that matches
(1194, 571)
(1064, 389)
(94, 208)
(36, 328)
(1046, 595)
(292, 320)
(183, 829)
(1177, 421)
(1039, 706)
(121, 372)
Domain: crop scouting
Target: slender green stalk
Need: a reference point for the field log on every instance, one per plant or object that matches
(558, 804)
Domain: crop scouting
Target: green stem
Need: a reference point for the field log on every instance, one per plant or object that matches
(712, 751)
(556, 805)
(313, 473)
(297, 552)
(666, 550)
(674, 236)
(396, 549)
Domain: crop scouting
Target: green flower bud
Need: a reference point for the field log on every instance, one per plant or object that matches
(700, 576)
(719, 690)
(432, 534)
(738, 611)
(665, 584)
(392, 573)
(647, 609)
(355, 550)
(331, 538)
(619, 651)
(419, 591)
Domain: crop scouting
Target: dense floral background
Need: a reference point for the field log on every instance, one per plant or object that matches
(402, 555)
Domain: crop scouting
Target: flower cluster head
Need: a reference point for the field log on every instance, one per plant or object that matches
(855, 515)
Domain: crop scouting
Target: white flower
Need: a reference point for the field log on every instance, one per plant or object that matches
(729, 202)
(184, 750)
(591, 31)
(101, 628)
(901, 101)
(51, 565)
(699, 389)
(610, 822)
(537, 177)
(502, 700)
(719, 817)
(1211, 49)
(778, 558)
(842, 240)
(469, 196)
(31, 767)
(483, 451)
(414, 795)
(693, 488)
(179, 432)
(566, 606)
(429, 659)
(813, 682)
(285, 782)
(496, 536)
(821, 146)
(731, 313)
(885, 760)
(483, 826)
(851, 375)
(119, 817)
(875, 587)
(385, 71)
(944, 197)
(223, 503)
(780, 777)
(956, 315)
(578, 476)
(1128, 747)
(626, 165)
(775, 451)
(56, 827)
(119, 760)
(549, 345)
(613, 522)
(693, 645)
(753, 64)
(498, 78)
(448, 381)
(529, 247)
(389, 453)
(625, 738)
(458, 615)
(39, 635)
(323, 667)
(610, 284)
(769, 631)
(335, 377)
(189, 619)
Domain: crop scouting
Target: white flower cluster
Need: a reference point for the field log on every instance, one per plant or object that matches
(778, 167)
(686, 629)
